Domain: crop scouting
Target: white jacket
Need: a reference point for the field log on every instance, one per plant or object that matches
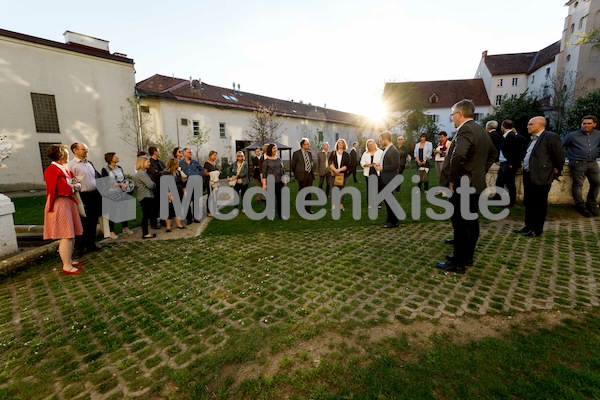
(366, 159)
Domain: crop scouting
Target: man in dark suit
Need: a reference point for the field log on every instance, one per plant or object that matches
(402, 153)
(543, 163)
(470, 156)
(353, 161)
(388, 171)
(510, 159)
(492, 128)
(323, 168)
(302, 166)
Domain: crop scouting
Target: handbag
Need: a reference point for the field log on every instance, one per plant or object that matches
(232, 181)
(80, 207)
(338, 180)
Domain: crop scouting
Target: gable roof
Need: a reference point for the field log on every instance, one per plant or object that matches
(73, 47)
(160, 86)
(520, 63)
(401, 95)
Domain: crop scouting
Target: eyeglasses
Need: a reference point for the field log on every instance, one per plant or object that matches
(452, 115)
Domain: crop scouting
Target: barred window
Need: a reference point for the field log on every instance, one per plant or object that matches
(44, 113)
(222, 132)
(43, 157)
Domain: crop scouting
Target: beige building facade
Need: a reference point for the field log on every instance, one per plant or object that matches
(52, 92)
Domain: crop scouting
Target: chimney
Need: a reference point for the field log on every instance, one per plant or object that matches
(238, 87)
(484, 54)
(191, 83)
(85, 40)
(233, 85)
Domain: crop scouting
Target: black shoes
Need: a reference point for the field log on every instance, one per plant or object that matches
(585, 212)
(448, 266)
(390, 225)
(522, 230)
(593, 211)
(449, 241)
(532, 234)
(468, 263)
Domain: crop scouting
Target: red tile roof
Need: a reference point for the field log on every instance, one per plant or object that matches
(74, 47)
(521, 63)
(161, 86)
(402, 95)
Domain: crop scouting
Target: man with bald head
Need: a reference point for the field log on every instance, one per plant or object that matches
(543, 163)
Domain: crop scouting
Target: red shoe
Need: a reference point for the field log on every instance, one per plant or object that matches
(77, 271)
(78, 263)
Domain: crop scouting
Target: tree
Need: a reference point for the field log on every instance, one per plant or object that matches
(588, 37)
(197, 139)
(415, 122)
(519, 109)
(562, 87)
(264, 127)
(584, 105)
(165, 146)
(136, 127)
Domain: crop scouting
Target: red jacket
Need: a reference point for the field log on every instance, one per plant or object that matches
(57, 185)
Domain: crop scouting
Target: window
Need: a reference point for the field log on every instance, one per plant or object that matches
(515, 81)
(184, 122)
(43, 149)
(320, 136)
(477, 117)
(568, 57)
(500, 82)
(196, 128)
(337, 137)
(44, 113)
(498, 99)
(546, 91)
(513, 96)
(532, 78)
(145, 109)
(581, 21)
(229, 97)
(572, 28)
(547, 71)
(434, 118)
(224, 161)
(433, 99)
(222, 132)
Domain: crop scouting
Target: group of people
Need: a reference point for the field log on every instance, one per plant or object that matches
(74, 203)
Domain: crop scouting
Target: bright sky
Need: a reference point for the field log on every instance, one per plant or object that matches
(334, 52)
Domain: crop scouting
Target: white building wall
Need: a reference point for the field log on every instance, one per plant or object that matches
(167, 115)
(89, 93)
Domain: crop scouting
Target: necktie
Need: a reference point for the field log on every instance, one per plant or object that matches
(306, 162)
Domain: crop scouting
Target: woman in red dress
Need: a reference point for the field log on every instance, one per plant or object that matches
(61, 217)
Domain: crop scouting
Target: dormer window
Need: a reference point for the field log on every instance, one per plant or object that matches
(433, 99)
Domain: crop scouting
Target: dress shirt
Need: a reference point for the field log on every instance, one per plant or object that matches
(193, 168)
(501, 157)
(85, 173)
(534, 138)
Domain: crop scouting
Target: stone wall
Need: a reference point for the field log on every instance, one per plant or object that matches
(560, 193)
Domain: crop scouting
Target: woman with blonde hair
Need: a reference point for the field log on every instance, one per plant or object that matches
(339, 161)
(238, 171)
(61, 217)
(144, 195)
(369, 160)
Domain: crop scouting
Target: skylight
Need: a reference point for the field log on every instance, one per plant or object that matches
(229, 97)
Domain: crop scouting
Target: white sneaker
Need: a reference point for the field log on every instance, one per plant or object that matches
(114, 236)
(129, 232)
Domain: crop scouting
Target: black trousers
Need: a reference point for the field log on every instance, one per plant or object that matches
(536, 204)
(92, 202)
(324, 179)
(154, 211)
(466, 232)
(306, 181)
(147, 204)
(506, 177)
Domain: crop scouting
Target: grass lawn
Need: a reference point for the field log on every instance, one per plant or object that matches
(323, 310)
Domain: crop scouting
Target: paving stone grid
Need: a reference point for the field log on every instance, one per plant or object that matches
(146, 305)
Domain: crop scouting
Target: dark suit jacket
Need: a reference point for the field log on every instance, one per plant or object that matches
(298, 167)
(497, 140)
(353, 158)
(471, 154)
(512, 150)
(402, 152)
(390, 164)
(547, 154)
